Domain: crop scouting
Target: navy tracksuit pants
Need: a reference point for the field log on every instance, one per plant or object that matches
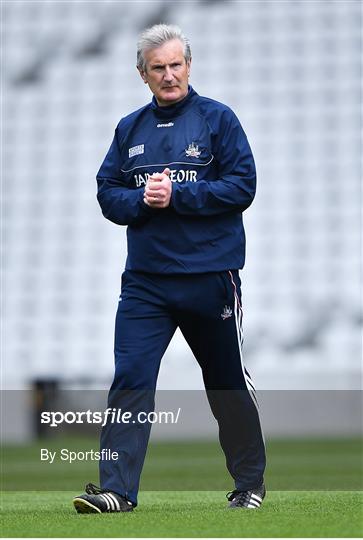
(207, 309)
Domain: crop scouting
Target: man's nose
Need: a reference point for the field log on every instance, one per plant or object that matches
(168, 74)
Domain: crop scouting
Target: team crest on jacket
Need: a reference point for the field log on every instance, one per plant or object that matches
(192, 151)
(227, 312)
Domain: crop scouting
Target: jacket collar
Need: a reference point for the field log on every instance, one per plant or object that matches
(171, 111)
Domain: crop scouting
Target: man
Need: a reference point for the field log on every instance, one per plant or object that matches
(179, 173)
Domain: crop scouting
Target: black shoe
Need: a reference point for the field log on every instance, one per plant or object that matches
(246, 499)
(97, 500)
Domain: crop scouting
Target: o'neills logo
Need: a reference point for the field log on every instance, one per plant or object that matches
(169, 124)
(176, 175)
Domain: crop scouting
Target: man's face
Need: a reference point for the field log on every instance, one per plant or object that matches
(167, 72)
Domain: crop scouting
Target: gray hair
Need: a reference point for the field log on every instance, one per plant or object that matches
(156, 36)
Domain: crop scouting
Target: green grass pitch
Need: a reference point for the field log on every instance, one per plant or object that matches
(314, 490)
(187, 514)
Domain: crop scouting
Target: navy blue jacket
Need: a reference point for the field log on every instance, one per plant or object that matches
(214, 181)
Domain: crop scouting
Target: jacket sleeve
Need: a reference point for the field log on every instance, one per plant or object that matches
(235, 188)
(120, 204)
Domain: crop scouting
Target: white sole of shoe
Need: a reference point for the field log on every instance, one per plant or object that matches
(84, 507)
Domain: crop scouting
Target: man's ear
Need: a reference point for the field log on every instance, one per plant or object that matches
(188, 66)
(143, 75)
